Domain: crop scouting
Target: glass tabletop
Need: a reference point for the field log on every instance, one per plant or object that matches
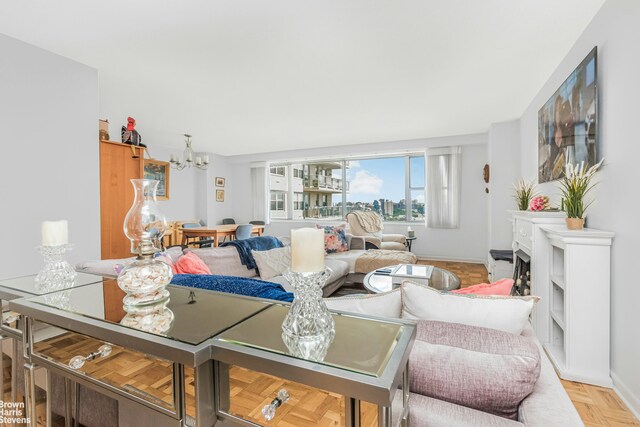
(189, 315)
(28, 285)
(440, 279)
(359, 345)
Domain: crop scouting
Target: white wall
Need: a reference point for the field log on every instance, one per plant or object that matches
(469, 242)
(49, 125)
(616, 32)
(217, 211)
(185, 189)
(503, 148)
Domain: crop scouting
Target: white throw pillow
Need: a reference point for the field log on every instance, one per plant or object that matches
(387, 304)
(509, 314)
(273, 262)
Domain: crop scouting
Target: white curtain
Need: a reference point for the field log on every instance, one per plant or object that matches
(443, 187)
(260, 192)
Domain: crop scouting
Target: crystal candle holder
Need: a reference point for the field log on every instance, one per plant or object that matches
(309, 348)
(56, 273)
(308, 318)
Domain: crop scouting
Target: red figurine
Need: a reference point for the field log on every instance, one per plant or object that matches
(130, 135)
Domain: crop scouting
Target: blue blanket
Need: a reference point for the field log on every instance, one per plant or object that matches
(244, 247)
(234, 285)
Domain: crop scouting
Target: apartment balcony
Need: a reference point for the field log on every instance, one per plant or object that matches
(324, 184)
(323, 212)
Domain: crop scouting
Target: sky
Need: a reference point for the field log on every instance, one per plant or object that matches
(382, 179)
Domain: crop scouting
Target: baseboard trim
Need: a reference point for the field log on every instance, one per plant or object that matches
(625, 394)
(452, 259)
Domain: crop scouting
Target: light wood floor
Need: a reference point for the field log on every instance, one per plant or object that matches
(597, 406)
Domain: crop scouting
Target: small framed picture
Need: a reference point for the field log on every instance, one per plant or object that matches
(219, 182)
(219, 195)
(155, 169)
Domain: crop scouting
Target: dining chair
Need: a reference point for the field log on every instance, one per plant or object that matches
(244, 231)
(257, 222)
(201, 242)
(227, 221)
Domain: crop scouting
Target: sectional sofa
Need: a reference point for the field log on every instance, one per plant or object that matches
(226, 261)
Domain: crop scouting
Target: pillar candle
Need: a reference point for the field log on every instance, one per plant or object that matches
(307, 250)
(55, 233)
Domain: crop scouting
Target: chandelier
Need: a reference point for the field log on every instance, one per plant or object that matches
(190, 158)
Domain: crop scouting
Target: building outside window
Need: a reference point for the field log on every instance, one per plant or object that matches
(278, 204)
(277, 170)
(392, 186)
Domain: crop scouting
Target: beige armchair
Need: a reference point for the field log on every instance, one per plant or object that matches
(369, 225)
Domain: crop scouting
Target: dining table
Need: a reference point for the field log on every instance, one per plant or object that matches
(216, 232)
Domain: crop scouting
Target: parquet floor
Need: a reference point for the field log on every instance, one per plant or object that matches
(469, 274)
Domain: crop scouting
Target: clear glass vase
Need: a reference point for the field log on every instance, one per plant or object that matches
(56, 273)
(145, 223)
(308, 318)
(145, 279)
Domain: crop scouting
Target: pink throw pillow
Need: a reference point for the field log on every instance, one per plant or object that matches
(190, 263)
(501, 287)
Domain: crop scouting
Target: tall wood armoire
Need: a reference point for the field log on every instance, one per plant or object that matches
(119, 163)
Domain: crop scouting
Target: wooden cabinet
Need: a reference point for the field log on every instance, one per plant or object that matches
(119, 163)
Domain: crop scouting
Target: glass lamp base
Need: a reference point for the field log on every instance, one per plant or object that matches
(308, 318)
(56, 273)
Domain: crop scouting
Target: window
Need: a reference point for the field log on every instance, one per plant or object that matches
(278, 199)
(277, 170)
(393, 186)
(298, 201)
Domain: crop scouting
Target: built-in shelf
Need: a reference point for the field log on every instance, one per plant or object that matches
(578, 281)
(558, 318)
(558, 281)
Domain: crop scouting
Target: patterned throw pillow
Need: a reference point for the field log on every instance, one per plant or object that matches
(335, 238)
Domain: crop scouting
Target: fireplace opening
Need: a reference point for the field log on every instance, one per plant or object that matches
(521, 274)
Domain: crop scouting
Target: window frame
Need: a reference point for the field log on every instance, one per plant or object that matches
(290, 193)
(276, 173)
(276, 193)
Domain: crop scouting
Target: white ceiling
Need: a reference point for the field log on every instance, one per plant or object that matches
(246, 76)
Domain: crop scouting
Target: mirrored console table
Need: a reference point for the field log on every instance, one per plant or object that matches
(12, 328)
(176, 364)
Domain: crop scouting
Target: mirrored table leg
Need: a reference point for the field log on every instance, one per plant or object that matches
(76, 401)
(67, 402)
(14, 369)
(30, 393)
(49, 413)
(2, 338)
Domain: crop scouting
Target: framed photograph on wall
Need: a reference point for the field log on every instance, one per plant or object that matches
(568, 122)
(219, 182)
(219, 195)
(156, 169)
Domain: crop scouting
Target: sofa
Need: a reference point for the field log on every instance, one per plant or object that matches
(226, 261)
(547, 405)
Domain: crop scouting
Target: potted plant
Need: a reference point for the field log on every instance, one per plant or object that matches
(575, 185)
(524, 192)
